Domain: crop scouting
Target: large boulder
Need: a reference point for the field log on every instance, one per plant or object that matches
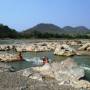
(69, 68)
(41, 48)
(85, 47)
(64, 50)
(45, 70)
(8, 57)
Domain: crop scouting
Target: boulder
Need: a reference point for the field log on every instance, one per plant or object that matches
(64, 50)
(6, 68)
(69, 68)
(74, 42)
(7, 57)
(85, 47)
(41, 48)
(83, 83)
(88, 49)
(45, 70)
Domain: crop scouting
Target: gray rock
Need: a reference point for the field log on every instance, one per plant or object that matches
(68, 67)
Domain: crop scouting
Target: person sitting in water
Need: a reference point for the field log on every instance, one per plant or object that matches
(20, 57)
(45, 60)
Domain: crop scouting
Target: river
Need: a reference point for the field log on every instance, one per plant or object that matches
(83, 61)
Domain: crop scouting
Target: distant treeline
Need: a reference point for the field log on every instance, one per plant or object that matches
(37, 34)
(6, 32)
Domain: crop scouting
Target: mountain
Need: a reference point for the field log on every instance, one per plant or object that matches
(76, 30)
(54, 29)
(81, 29)
(44, 28)
(68, 28)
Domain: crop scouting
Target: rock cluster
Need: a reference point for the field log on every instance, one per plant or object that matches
(38, 46)
(6, 47)
(64, 50)
(85, 47)
(58, 47)
(7, 57)
(73, 42)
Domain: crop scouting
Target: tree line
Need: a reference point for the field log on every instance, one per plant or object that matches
(47, 35)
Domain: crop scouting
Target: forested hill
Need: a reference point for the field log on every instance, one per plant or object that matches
(43, 28)
(6, 32)
(53, 31)
(51, 28)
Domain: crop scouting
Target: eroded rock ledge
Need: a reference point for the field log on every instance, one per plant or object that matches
(65, 73)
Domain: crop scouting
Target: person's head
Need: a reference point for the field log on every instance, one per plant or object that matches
(45, 60)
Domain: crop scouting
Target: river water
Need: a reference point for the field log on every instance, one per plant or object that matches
(83, 61)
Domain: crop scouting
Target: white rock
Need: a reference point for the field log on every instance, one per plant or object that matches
(64, 50)
(85, 46)
(36, 76)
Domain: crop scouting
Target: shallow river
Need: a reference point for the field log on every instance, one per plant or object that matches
(83, 61)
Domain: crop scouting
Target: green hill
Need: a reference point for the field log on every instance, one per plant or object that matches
(6, 32)
(43, 28)
(53, 29)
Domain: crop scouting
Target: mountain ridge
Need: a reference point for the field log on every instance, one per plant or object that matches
(54, 29)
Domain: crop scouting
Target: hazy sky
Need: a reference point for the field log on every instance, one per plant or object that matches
(23, 14)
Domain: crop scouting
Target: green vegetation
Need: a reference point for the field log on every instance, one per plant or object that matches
(37, 34)
(52, 31)
(44, 31)
(6, 32)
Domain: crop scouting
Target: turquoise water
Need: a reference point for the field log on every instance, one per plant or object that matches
(84, 62)
(18, 65)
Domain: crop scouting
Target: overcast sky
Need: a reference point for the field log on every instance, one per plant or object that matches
(23, 14)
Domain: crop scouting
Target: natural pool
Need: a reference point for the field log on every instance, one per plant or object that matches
(83, 61)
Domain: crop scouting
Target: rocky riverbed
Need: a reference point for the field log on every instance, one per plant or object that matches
(66, 75)
(13, 81)
(61, 47)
